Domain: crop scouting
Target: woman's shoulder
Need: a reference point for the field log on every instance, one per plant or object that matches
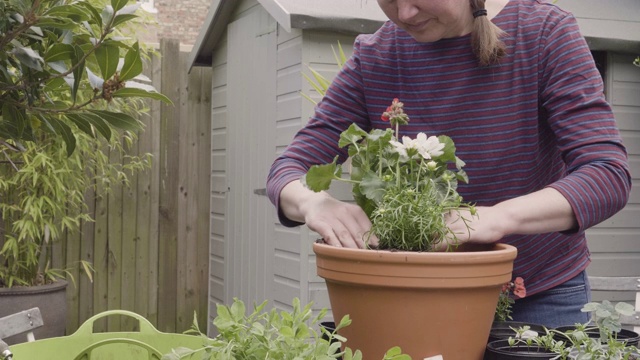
(533, 19)
(535, 11)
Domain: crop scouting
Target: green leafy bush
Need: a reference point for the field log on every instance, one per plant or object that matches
(62, 63)
(274, 334)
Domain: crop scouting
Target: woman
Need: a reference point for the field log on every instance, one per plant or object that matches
(513, 83)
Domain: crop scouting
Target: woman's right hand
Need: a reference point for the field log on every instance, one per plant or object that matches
(338, 223)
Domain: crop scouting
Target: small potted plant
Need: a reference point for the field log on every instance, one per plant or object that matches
(404, 292)
(503, 326)
(598, 339)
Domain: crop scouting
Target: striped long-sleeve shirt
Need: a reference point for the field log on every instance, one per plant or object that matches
(538, 119)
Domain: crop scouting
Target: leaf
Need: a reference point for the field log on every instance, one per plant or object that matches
(94, 13)
(107, 56)
(13, 120)
(59, 52)
(118, 120)
(118, 4)
(449, 150)
(133, 92)
(129, 9)
(94, 120)
(132, 63)
(81, 124)
(78, 71)
(319, 177)
(351, 136)
(65, 132)
(95, 81)
(28, 57)
(56, 23)
(63, 11)
(119, 19)
(237, 310)
(372, 186)
(625, 309)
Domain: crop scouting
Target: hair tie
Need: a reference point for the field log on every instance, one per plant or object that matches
(481, 12)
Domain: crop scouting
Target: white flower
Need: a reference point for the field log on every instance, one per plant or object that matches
(402, 147)
(427, 147)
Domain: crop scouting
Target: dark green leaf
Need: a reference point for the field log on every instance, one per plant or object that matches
(79, 13)
(372, 186)
(65, 132)
(14, 121)
(118, 120)
(94, 120)
(28, 57)
(56, 23)
(119, 19)
(59, 52)
(78, 71)
(132, 63)
(319, 177)
(108, 57)
(449, 149)
(95, 14)
(118, 4)
(132, 92)
(352, 135)
(81, 124)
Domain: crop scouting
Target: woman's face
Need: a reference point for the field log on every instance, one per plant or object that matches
(430, 20)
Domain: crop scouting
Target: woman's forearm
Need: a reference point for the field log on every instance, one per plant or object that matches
(540, 212)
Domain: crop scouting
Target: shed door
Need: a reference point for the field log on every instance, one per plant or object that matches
(251, 44)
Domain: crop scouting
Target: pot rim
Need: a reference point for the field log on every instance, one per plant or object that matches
(499, 252)
(35, 289)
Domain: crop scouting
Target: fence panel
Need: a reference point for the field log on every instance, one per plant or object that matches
(149, 241)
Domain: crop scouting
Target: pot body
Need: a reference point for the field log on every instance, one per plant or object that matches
(50, 298)
(427, 303)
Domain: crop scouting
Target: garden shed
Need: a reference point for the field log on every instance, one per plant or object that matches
(258, 50)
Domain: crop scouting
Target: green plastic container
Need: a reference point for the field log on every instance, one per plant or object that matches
(84, 344)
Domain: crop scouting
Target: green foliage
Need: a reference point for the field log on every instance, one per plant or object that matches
(60, 61)
(404, 187)
(318, 81)
(274, 334)
(42, 195)
(71, 88)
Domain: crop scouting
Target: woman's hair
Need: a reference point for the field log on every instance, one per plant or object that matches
(485, 37)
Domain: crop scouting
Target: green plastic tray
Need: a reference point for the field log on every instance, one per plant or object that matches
(84, 344)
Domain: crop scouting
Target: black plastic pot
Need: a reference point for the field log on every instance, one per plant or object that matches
(632, 338)
(330, 326)
(503, 330)
(501, 350)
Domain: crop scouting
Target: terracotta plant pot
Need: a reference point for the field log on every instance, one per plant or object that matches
(52, 301)
(427, 303)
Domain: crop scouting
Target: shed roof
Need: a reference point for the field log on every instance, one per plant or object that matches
(606, 25)
(353, 16)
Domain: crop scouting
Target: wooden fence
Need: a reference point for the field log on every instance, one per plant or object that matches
(149, 243)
